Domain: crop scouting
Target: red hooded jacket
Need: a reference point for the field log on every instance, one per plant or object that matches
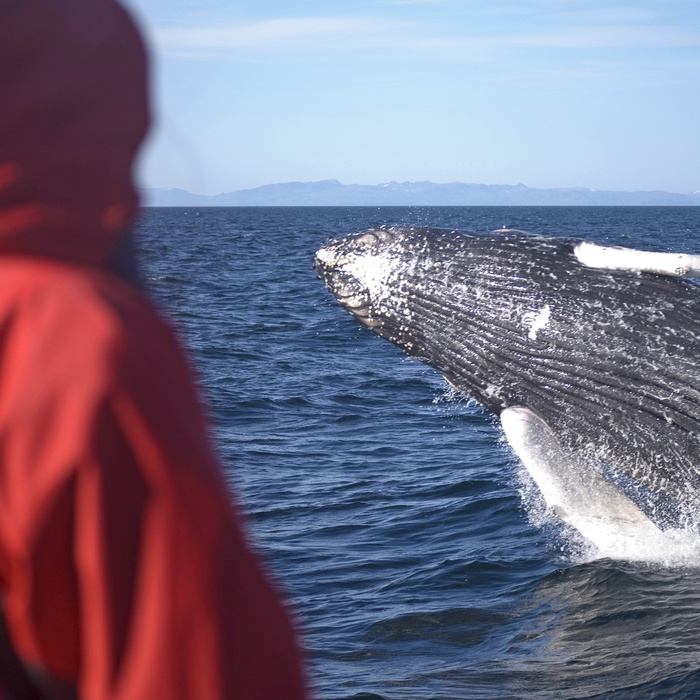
(124, 574)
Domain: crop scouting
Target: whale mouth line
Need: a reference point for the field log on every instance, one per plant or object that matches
(344, 286)
(353, 298)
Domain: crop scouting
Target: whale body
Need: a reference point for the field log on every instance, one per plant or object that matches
(589, 355)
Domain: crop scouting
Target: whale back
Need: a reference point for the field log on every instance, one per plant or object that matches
(608, 359)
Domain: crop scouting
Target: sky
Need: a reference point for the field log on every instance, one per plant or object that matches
(601, 94)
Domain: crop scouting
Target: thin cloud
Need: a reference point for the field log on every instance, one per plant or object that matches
(271, 33)
(343, 33)
(604, 37)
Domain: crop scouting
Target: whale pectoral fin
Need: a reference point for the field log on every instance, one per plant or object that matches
(573, 489)
(538, 449)
(631, 260)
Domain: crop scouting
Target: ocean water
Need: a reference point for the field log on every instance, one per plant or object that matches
(418, 560)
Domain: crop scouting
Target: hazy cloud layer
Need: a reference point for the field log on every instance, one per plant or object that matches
(349, 32)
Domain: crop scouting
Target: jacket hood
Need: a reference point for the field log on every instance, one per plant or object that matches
(74, 110)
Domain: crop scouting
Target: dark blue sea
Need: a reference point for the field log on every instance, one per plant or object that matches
(389, 510)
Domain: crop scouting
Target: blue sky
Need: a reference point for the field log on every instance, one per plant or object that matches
(549, 93)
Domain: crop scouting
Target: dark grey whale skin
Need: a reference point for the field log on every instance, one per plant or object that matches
(614, 370)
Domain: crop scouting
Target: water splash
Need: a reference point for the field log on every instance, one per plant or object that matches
(679, 547)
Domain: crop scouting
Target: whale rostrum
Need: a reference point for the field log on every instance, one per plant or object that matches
(590, 352)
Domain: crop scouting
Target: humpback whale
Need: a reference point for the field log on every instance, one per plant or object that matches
(588, 354)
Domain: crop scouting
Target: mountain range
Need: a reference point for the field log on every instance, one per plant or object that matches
(334, 193)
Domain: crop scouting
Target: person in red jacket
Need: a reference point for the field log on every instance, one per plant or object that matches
(124, 573)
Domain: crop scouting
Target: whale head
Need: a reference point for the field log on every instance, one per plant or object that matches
(369, 273)
(397, 281)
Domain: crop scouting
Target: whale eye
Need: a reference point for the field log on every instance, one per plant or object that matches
(386, 235)
(371, 241)
(368, 239)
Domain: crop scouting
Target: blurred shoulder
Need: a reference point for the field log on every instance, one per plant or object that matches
(76, 317)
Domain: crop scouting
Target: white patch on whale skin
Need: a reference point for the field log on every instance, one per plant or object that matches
(617, 258)
(372, 271)
(537, 321)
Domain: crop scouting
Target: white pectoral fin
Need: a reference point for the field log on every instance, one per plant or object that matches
(534, 442)
(614, 258)
(573, 490)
